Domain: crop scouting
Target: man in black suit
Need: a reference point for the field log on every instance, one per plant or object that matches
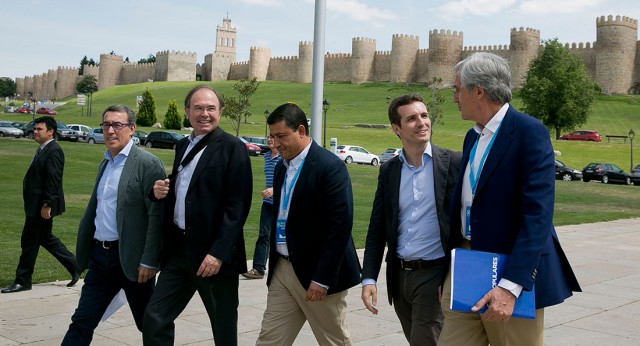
(43, 200)
(207, 200)
(410, 215)
(314, 261)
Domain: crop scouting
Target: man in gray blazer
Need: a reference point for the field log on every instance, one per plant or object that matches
(410, 216)
(120, 234)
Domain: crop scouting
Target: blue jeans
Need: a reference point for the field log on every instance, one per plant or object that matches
(261, 253)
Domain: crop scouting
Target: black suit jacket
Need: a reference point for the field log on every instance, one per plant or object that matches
(318, 227)
(383, 225)
(43, 182)
(217, 203)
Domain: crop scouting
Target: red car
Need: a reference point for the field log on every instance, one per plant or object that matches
(48, 111)
(23, 110)
(582, 135)
(253, 149)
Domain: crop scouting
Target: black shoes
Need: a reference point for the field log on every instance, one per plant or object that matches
(74, 279)
(15, 288)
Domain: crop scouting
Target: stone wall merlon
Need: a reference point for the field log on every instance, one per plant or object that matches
(447, 33)
(363, 39)
(521, 29)
(624, 20)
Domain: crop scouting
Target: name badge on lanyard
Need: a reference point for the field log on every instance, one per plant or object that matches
(474, 176)
(281, 222)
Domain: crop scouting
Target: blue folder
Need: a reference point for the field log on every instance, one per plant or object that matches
(474, 273)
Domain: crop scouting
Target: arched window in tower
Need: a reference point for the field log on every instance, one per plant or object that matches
(219, 41)
(226, 42)
(231, 42)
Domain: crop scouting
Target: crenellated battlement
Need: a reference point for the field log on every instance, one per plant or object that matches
(486, 48)
(412, 37)
(337, 55)
(174, 52)
(445, 33)
(363, 39)
(305, 43)
(253, 48)
(580, 45)
(620, 21)
(522, 30)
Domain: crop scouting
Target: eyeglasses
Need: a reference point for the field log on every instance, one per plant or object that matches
(117, 126)
(200, 110)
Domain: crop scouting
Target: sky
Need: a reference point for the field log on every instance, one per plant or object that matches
(38, 35)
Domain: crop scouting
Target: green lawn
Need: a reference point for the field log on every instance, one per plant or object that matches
(576, 202)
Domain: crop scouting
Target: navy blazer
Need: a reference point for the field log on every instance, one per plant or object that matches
(512, 211)
(319, 224)
(383, 225)
(217, 203)
(43, 182)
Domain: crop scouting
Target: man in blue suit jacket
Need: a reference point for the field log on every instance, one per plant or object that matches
(504, 203)
(313, 260)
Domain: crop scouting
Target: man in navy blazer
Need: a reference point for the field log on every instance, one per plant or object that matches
(410, 216)
(504, 203)
(313, 260)
(43, 200)
(207, 201)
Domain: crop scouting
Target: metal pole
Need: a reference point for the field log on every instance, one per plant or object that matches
(324, 130)
(317, 86)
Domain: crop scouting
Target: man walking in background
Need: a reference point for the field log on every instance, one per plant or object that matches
(43, 200)
(261, 253)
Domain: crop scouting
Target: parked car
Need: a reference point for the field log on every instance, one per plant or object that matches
(163, 139)
(24, 110)
(82, 130)
(136, 140)
(19, 125)
(10, 109)
(48, 111)
(635, 175)
(253, 149)
(567, 173)
(8, 130)
(352, 153)
(260, 142)
(582, 135)
(141, 135)
(606, 173)
(389, 154)
(63, 133)
(95, 136)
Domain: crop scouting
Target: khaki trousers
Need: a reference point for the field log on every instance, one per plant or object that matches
(468, 329)
(287, 311)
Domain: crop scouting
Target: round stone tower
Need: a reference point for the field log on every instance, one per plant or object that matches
(109, 70)
(524, 47)
(362, 56)
(445, 48)
(615, 53)
(305, 62)
(259, 59)
(403, 57)
(66, 81)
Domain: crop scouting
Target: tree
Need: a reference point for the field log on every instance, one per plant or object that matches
(150, 58)
(558, 91)
(245, 89)
(7, 87)
(172, 118)
(83, 62)
(435, 99)
(88, 85)
(233, 112)
(147, 110)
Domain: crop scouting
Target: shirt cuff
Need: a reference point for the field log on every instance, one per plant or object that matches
(510, 286)
(368, 282)
(146, 266)
(321, 285)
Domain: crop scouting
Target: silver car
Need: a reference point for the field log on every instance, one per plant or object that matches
(95, 136)
(7, 129)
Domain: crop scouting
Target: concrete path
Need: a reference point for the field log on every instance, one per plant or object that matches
(605, 256)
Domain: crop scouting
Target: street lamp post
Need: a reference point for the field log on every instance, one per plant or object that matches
(325, 108)
(388, 99)
(266, 115)
(631, 135)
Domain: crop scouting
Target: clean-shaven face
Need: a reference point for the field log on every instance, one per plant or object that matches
(203, 111)
(288, 142)
(116, 140)
(415, 125)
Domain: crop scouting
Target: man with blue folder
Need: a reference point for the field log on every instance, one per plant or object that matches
(504, 202)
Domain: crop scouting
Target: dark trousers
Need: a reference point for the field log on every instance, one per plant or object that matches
(36, 233)
(177, 283)
(417, 305)
(261, 253)
(104, 280)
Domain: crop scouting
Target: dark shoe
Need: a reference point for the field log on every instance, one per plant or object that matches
(15, 288)
(74, 278)
(253, 274)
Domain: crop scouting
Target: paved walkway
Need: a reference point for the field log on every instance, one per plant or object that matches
(605, 256)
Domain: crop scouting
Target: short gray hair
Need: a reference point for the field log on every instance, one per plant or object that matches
(131, 116)
(488, 71)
